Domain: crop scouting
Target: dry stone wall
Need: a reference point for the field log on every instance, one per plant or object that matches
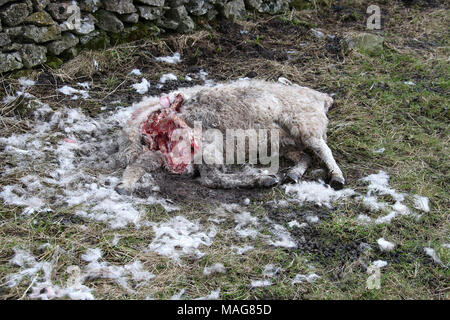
(32, 31)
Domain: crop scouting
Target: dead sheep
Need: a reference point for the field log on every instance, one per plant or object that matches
(297, 115)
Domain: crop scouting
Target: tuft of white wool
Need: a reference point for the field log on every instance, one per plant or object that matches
(260, 283)
(430, 252)
(178, 295)
(175, 58)
(364, 218)
(372, 203)
(167, 77)
(215, 268)
(310, 278)
(385, 245)
(179, 236)
(135, 72)
(421, 203)
(283, 236)
(244, 220)
(270, 270)
(91, 254)
(379, 263)
(379, 184)
(312, 219)
(241, 250)
(141, 87)
(214, 295)
(69, 91)
(294, 223)
(26, 83)
(387, 218)
(319, 193)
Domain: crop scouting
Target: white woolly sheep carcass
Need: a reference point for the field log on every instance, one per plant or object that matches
(297, 113)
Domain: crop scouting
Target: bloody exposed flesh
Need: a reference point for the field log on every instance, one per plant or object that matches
(161, 132)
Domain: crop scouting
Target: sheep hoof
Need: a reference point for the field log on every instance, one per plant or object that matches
(291, 178)
(337, 183)
(269, 181)
(120, 189)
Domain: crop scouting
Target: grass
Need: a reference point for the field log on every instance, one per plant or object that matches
(374, 108)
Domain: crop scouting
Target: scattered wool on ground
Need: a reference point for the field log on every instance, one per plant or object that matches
(295, 224)
(312, 219)
(270, 270)
(379, 263)
(385, 245)
(178, 295)
(260, 283)
(214, 295)
(215, 268)
(175, 58)
(421, 203)
(71, 144)
(430, 252)
(364, 218)
(75, 93)
(141, 87)
(317, 192)
(168, 77)
(283, 236)
(241, 250)
(179, 236)
(310, 278)
(244, 220)
(135, 72)
(381, 150)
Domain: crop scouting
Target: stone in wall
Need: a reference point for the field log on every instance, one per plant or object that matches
(130, 18)
(155, 3)
(10, 61)
(31, 28)
(32, 55)
(40, 34)
(87, 24)
(267, 6)
(40, 18)
(14, 14)
(108, 21)
(120, 6)
(150, 13)
(60, 11)
(234, 10)
(68, 40)
(39, 5)
(4, 39)
(90, 5)
(2, 2)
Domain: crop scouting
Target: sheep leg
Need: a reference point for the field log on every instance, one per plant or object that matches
(212, 177)
(146, 162)
(302, 160)
(320, 147)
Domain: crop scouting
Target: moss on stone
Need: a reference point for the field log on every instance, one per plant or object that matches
(54, 62)
(301, 4)
(98, 43)
(140, 30)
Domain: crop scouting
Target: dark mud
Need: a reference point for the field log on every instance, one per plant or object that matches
(320, 245)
